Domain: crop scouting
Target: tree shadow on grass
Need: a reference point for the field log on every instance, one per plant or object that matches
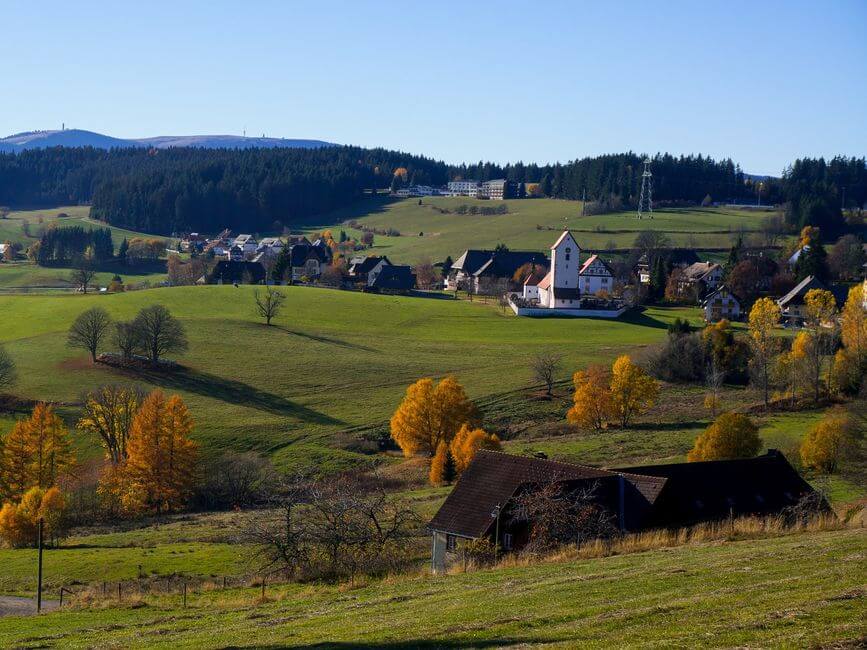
(640, 317)
(326, 339)
(230, 391)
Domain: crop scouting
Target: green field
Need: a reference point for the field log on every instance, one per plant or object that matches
(798, 590)
(23, 276)
(428, 233)
(334, 361)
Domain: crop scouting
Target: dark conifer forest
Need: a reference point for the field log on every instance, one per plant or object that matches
(174, 190)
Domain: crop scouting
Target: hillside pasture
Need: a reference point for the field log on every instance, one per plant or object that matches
(429, 232)
(798, 590)
(333, 362)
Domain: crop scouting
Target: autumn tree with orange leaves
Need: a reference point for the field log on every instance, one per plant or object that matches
(430, 414)
(633, 391)
(159, 471)
(468, 441)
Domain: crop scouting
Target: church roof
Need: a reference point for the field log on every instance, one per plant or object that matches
(545, 282)
(561, 238)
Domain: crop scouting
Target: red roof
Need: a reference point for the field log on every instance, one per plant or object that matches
(531, 280)
(545, 282)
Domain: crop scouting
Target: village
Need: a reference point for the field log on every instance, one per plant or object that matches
(559, 282)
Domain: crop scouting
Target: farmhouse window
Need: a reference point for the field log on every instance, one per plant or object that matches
(450, 542)
(507, 537)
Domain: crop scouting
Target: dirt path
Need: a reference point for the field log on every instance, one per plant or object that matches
(16, 606)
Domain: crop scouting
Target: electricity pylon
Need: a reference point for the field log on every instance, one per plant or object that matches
(645, 199)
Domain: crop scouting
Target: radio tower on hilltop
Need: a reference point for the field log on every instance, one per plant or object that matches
(645, 200)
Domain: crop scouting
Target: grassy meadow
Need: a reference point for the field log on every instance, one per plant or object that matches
(426, 232)
(797, 590)
(21, 276)
(333, 361)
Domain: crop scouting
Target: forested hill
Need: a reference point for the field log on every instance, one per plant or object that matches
(178, 189)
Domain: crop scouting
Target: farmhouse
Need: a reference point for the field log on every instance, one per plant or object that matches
(230, 272)
(392, 278)
(721, 303)
(364, 269)
(700, 277)
(792, 305)
(309, 260)
(482, 504)
(247, 243)
(476, 268)
(679, 258)
(595, 276)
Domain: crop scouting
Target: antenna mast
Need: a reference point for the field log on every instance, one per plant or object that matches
(645, 200)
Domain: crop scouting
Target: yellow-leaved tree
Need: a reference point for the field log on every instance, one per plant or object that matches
(429, 415)
(159, 472)
(48, 446)
(108, 412)
(731, 435)
(592, 401)
(633, 391)
(764, 317)
(442, 466)
(15, 470)
(854, 329)
(826, 444)
(467, 442)
(821, 311)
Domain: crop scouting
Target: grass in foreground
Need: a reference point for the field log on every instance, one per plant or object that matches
(797, 590)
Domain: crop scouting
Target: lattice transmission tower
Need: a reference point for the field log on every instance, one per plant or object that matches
(645, 199)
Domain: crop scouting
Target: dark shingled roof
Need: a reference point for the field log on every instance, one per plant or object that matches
(713, 490)
(394, 277)
(494, 477)
(237, 272)
(365, 265)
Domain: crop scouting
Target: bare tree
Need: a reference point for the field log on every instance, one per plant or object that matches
(269, 303)
(126, 339)
(89, 330)
(159, 332)
(560, 513)
(83, 274)
(425, 274)
(713, 378)
(8, 374)
(239, 479)
(545, 366)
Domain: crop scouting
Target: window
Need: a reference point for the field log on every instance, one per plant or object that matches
(507, 537)
(567, 256)
(450, 542)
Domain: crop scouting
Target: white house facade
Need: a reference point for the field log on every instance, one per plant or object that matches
(595, 276)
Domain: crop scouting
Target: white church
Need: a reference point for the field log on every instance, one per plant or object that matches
(560, 291)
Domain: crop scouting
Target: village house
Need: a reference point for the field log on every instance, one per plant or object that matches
(391, 278)
(721, 303)
(482, 503)
(793, 309)
(235, 254)
(476, 268)
(595, 276)
(309, 260)
(236, 272)
(700, 278)
(364, 269)
(270, 246)
(247, 243)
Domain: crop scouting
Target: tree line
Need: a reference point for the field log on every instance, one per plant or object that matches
(177, 190)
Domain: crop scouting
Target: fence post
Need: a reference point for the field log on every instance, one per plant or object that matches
(39, 576)
(61, 597)
(224, 582)
(185, 594)
(263, 587)
(118, 592)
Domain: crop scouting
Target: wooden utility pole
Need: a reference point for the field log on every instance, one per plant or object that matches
(39, 571)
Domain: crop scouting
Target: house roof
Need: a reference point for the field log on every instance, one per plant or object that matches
(796, 295)
(712, 490)
(532, 280)
(720, 289)
(699, 270)
(235, 272)
(589, 263)
(545, 282)
(493, 478)
(394, 277)
(362, 265)
(503, 264)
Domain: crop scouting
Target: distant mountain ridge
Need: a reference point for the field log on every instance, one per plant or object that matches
(80, 138)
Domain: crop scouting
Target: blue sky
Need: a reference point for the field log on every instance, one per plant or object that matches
(761, 82)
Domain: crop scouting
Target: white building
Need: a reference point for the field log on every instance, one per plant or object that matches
(495, 189)
(559, 289)
(721, 303)
(246, 243)
(271, 246)
(464, 188)
(595, 276)
(417, 190)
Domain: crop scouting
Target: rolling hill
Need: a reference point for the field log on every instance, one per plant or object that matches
(82, 138)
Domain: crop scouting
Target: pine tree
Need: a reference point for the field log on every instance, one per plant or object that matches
(122, 251)
(15, 464)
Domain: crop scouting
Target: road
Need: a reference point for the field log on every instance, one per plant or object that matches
(16, 606)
